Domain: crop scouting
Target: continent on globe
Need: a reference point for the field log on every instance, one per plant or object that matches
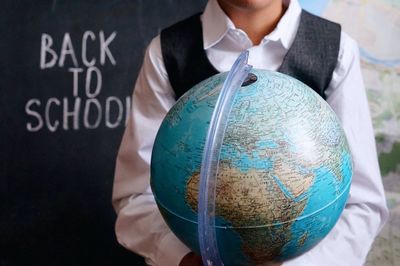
(284, 169)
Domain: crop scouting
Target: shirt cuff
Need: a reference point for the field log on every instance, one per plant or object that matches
(171, 250)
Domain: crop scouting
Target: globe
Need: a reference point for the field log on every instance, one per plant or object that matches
(284, 168)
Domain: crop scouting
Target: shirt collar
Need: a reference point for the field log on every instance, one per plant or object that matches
(216, 24)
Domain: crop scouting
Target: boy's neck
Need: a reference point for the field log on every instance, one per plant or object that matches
(257, 20)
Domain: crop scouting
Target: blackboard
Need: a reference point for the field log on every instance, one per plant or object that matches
(67, 69)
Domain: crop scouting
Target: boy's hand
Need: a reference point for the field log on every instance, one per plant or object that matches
(274, 264)
(191, 259)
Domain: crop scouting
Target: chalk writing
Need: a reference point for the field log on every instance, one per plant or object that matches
(83, 110)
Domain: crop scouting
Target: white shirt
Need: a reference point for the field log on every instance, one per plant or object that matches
(139, 225)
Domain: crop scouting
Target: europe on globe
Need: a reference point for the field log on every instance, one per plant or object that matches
(284, 170)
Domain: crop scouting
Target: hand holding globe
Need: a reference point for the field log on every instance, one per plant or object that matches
(192, 259)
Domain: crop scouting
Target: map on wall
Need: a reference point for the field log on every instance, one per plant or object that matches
(375, 25)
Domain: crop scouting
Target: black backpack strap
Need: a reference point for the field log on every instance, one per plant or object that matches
(313, 56)
(184, 57)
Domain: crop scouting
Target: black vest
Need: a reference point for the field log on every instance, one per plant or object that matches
(311, 59)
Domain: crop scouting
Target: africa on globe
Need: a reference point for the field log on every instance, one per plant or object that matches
(284, 170)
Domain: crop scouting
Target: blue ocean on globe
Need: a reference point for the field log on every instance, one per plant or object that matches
(284, 169)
